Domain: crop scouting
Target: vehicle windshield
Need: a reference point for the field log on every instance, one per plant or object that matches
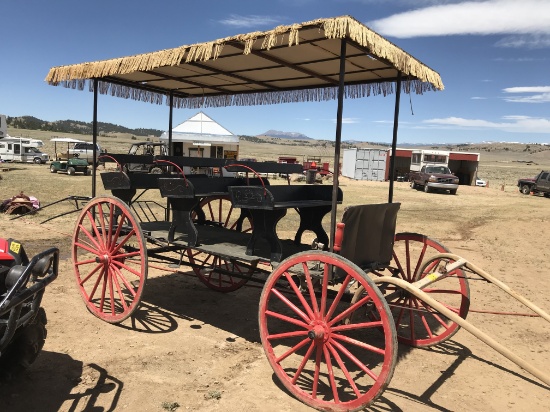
(32, 150)
(438, 169)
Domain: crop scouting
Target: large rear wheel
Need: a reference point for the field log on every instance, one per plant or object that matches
(417, 323)
(218, 273)
(321, 358)
(110, 259)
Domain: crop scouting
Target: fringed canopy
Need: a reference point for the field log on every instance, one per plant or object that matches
(295, 63)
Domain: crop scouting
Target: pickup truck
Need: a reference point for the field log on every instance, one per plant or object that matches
(434, 177)
(538, 184)
(85, 151)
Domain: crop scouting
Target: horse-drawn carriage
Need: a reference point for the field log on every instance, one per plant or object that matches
(330, 313)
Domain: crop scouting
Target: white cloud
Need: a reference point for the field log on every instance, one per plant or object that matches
(478, 98)
(526, 17)
(525, 41)
(514, 124)
(235, 20)
(539, 94)
(348, 120)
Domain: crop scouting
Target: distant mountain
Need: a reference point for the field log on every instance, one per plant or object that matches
(74, 126)
(286, 135)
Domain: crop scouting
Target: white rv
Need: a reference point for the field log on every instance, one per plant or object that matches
(424, 157)
(20, 149)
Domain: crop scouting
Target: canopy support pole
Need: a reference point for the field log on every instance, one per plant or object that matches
(337, 144)
(394, 139)
(171, 115)
(170, 150)
(94, 138)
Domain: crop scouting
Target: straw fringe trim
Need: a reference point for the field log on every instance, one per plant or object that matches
(74, 76)
(251, 99)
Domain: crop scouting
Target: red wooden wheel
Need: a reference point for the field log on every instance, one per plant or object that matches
(418, 324)
(323, 360)
(218, 273)
(110, 259)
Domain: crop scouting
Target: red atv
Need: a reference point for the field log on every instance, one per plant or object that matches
(22, 320)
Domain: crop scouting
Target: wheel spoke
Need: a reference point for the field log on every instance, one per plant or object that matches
(288, 319)
(351, 357)
(291, 305)
(292, 350)
(345, 370)
(331, 375)
(297, 292)
(303, 363)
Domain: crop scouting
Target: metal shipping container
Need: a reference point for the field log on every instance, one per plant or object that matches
(365, 164)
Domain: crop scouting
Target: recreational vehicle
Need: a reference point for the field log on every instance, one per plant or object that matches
(432, 157)
(20, 149)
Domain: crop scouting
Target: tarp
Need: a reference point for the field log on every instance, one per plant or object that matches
(201, 129)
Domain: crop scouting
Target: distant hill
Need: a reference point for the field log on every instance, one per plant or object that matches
(286, 135)
(74, 126)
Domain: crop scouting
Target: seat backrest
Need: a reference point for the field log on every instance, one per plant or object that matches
(369, 233)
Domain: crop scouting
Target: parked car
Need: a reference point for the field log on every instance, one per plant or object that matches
(434, 177)
(85, 151)
(480, 182)
(538, 184)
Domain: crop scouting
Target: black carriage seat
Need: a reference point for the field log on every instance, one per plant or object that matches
(369, 234)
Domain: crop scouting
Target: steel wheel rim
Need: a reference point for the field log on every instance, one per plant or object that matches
(109, 258)
(322, 362)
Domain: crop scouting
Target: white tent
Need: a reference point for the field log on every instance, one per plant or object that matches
(200, 136)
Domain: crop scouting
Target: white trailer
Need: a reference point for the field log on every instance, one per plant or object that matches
(20, 149)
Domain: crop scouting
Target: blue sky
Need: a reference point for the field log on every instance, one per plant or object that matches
(493, 57)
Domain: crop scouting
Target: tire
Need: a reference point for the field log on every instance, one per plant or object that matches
(427, 188)
(37, 160)
(525, 189)
(453, 191)
(109, 258)
(156, 171)
(323, 361)
(53, 169)
(417, 324)
(71, 171)
(413, 185)
(24, 347)
(87, 172)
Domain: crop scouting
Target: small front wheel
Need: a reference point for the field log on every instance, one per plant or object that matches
(525, 189)
(71, 171)
(427, 188)
(110, 259)
(320, 357)
(53, 169)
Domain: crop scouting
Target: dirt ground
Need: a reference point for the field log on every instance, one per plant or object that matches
(191, 348)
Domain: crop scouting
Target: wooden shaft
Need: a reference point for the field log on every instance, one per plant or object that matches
(466, 325)
(489, 278)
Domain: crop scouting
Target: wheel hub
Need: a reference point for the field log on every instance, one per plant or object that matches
(319, 332)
